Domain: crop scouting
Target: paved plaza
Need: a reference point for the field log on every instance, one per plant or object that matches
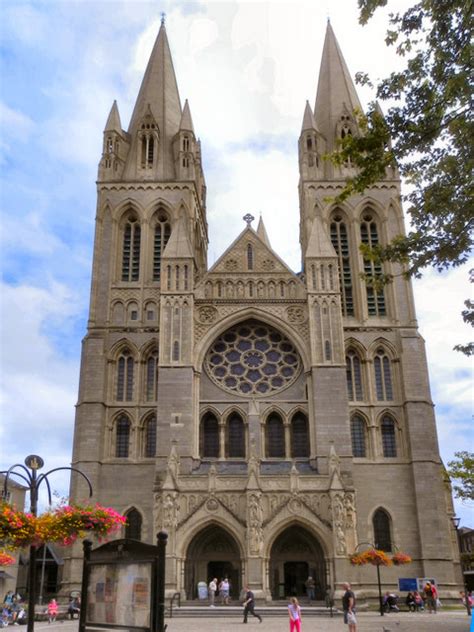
(368, 622)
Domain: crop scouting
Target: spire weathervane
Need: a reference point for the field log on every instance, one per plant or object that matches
(248, 218)
(163, 17)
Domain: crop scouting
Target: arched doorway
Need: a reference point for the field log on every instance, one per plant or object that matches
(213, 552)
(295, 555)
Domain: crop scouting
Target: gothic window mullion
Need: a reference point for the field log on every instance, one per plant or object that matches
(340, 241)
(375, 296)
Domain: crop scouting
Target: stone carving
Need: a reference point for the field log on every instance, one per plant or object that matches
(207, 314)
(268, 264)
(349, 506)
(212, 504)
(170, 511)
(338, 515)
(295, 314)
(231, 265)
(295, 506)
(255, 517)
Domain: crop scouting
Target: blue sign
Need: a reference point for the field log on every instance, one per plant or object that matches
(407, 584)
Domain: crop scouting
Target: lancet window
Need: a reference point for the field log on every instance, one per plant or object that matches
(122, 437)
(133, 528)
(131, 249)
(151, 378)
(382, 532)
(161, 237)
(299, 436)
(275, 437)
(235, 431)
(389, 441)
(125, 368)
(209, 437)
(150, 436)
(359, 436)
(354, 376)
(375, 295)
(340, 241)
(383, 376)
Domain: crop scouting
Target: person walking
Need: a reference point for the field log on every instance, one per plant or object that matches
(52, 611)
(294, 611)
(348, 607)
(212, 592)
(249, 605)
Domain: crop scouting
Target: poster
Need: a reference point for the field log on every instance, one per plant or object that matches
(120, 594)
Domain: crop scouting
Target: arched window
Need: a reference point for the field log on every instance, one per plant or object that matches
(235, 437)
(382, 535)
(354, 377)
(383, 376)
(125, 367)
(275, 437)
(327, 350)
(209, 437)
(249, 257)
(133, 528)
(131, 250)
(176, 351)
(358, 435)
(152, 377)
(161, 237)
(389, 442)
(150, 436)
(340, 241)
(369, 237)
(299, 436)
(122, 437)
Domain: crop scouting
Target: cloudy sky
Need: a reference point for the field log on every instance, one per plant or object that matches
(247, 69)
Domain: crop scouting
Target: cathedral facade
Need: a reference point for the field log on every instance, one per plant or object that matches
(272, 423)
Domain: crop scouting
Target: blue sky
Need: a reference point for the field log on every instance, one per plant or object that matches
(247, 69)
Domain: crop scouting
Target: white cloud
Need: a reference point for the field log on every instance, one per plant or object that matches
(14, 124)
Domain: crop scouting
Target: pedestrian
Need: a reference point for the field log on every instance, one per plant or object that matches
(294, 611)
(52, 611)
(431, 596)
(74, 607)
(310, 588)
(212, 592)
(249, 605)
(348, 607)
(225, 591)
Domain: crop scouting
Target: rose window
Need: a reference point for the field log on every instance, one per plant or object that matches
(252, 359)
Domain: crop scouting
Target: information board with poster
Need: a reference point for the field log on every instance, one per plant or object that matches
(123, 586)
(407, 584)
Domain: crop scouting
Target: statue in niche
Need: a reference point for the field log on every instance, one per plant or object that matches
(170, 511)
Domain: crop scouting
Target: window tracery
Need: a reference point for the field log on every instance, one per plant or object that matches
(340, 241)
(369, 237)
(131, 249)
(252, 358)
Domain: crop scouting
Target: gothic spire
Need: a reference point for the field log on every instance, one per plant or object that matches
(336, 91)
(113, 122)
(262, 232)
(186, 123)
(308, 119)
(158, 101)
(319, 244)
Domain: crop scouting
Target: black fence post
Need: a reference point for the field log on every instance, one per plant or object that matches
(87, 546)
(162, 540)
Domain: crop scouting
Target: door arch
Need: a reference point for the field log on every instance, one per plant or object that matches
(213, 552)
(295, 555)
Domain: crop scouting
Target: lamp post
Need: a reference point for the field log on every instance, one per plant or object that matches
(456, 522)
(33, 463)
(379, 583)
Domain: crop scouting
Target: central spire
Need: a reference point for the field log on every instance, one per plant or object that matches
(159, 97)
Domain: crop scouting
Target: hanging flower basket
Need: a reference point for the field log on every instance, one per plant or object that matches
(401, 558)
(63, 525)
(371, 556)
(6, 559)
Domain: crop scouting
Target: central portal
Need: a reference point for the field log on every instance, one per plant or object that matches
(213, 552)
(296, 555)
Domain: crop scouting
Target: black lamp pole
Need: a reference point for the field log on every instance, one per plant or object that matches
(456, 522)
(378, 575)
(34, 463)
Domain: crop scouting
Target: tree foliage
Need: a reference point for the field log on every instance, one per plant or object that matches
(461, 471)
(427, 134)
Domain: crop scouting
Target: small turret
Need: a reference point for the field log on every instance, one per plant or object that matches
(185, 147)
(312, 147)
(115, 147)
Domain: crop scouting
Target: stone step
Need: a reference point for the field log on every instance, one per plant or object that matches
(202, 611)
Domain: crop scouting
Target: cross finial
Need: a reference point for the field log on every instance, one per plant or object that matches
(248, 218)
(163, 16)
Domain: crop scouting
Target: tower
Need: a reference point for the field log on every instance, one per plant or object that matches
(269, 421)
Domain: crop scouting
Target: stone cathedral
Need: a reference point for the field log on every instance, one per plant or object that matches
(270, 421)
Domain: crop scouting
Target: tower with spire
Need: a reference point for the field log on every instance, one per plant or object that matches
(270, 421)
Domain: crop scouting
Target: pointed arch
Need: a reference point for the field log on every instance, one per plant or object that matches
(370, 237)
(151, 373)
(131, 245)
(133, 528)
(124, 380)
(149, 436)
(275, 436)
(161, 228)
(122, 436)
(382, 527)
(235, 435)
(340, 239)
(359, 436)
(355, 390)
(388, 435)
(209, 444)
(299, 435)
(383, 375)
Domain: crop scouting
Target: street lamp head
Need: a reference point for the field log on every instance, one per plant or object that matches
(456, 521)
